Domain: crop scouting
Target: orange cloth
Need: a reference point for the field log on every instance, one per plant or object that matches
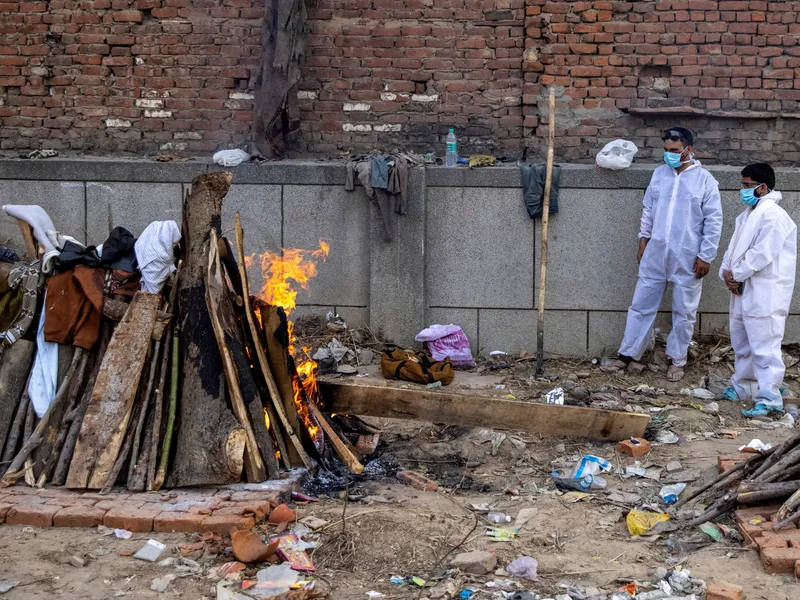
(74, 307)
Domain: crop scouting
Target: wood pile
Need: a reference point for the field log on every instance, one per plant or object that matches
(765, 477)
(192, 386)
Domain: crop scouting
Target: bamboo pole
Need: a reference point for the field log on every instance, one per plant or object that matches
(166, 445)
(548, 183)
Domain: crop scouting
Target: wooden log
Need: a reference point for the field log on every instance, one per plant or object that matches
(138, 483)
(787, 460)
(65, 457)
(166, 445)
(347, 456)
(753, 492)
(478, 411)
(777, 454)
(158, 401)
(109, 411)
(30, 418)
(124, 453)
(28, 240)
(137, 466)
(62, 429)
(36, 435)
(224, 322)
(15, 365)
(274, 400)
(210, 442)
(16, 431)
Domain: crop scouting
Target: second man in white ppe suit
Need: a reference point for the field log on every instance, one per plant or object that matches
(759, 271)
(678, 240)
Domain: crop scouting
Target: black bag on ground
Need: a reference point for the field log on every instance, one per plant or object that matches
(533, 178)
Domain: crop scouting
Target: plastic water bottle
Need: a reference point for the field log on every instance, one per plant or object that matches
(451, 158)
(497, 517)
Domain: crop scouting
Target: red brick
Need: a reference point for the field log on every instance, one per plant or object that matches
(635, 447)
(79, 516)
(36, 515)
(178, 522)
(367, 444)
(727, 462)
(259, 510)
(132, 519)
(128, 16)
(114, 504)
(721, 590)
(222, 524)
(4, 508)
(780, 560)
(418, 481)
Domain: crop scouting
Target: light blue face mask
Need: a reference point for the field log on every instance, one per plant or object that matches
(748, 196)
(672, 159)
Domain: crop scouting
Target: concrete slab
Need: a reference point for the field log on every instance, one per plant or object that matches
(355, 316)
(63, 201)
(792, 333)
(713, 322)
(260, 209)
(466, 318)
(591, 262)
(130, 205)
(515, 330)
(397, 273)
(605, 332)
(340, 218)
(480, 248)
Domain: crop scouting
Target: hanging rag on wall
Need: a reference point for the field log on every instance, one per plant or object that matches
(533, 177)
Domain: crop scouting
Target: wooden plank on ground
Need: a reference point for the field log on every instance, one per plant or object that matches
(109, 410)
(480, 411)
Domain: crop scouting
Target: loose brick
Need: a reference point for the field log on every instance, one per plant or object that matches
(178, 522)
(222, 524)
(418, 481)
(132, 519)
(259, 510)
(635, 447)
(36, 515)
(780, 560)
(79, 516)
(721, 590)
(367, 444)
(727, 462)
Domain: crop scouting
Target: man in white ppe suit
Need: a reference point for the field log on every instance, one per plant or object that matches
(759, 271)
(678, 240)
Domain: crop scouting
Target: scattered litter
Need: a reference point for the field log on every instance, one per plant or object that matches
(712, 530)
(523, 516)
(223, 593)
(616, 155)
(499, 534)
(555, 396)
(447, 341)
(7, 584)
(497, 517)
(467, 593)
(273, 581)
(640, 522)
(624, 498)
(711, 408)
(248, 547)
(313, 522)
(755, 446)
(374, 594)
(230, 158)
(524, 567)
(122, 534)
(36, 154)
(500, 387)
(484, 507)
(77, 562)
(229, 570)
(434, 385)
(585, 476)
(674, 466)
(665, 436)
(160, 584)
(291, 549)
(573, 497)
(150, 551)
(418, 581)
(669, 493)
(699, 393)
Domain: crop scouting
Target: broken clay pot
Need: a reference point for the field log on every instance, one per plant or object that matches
(248, 547)
(282, 514)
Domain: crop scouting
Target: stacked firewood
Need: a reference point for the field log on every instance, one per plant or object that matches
(192, 386)
(765, 477)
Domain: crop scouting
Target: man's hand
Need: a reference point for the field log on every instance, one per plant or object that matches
(731, 283)
(642, 246)
(701, 268)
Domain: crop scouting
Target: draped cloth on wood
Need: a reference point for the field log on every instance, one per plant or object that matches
(283, 46)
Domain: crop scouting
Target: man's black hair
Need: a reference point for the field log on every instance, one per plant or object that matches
(760, 173)
(679, 134)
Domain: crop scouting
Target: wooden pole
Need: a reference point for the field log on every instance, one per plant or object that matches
(166, 444)
(548, 183)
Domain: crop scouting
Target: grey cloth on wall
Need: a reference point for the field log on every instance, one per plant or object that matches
(533, 180)
(380, 173)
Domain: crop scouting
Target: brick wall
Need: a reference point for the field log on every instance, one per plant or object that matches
(144, 76)
(127, 75)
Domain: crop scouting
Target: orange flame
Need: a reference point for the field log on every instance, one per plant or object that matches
(282, 274)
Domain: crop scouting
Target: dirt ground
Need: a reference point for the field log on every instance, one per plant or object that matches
(392, 529)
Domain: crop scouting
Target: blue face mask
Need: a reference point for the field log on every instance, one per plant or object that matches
(672, 159)
(748, 196)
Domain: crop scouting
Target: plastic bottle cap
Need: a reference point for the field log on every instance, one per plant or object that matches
(452, 130)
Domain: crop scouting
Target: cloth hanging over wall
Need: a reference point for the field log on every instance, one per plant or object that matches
(533, 182)
(155, 253)
(42, 383)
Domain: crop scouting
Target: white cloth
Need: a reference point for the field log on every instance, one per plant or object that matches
(682, 218)
(154, 253)
(42, 383)
(762, 255)
(43, 230)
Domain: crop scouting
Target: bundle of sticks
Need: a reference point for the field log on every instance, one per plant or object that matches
(766, 476)
(192, 386)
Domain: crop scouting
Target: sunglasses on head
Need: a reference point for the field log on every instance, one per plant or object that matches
(674, 136)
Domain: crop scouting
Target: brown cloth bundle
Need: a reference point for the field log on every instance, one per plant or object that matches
(418, 367)
(74, 306)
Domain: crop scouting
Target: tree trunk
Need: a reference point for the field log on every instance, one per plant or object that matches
(209, 441)
(15, 365)
(753, 492)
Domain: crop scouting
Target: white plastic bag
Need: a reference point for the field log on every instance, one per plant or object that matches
(445, 341)
(231, 158)
(616, 155)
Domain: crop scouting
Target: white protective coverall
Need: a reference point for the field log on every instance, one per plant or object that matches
(762, 256)
(682, 218)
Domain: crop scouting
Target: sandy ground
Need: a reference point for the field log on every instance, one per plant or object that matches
(402, 531)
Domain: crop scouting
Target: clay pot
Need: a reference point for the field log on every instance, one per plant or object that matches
(282, 514)
(248, 547)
